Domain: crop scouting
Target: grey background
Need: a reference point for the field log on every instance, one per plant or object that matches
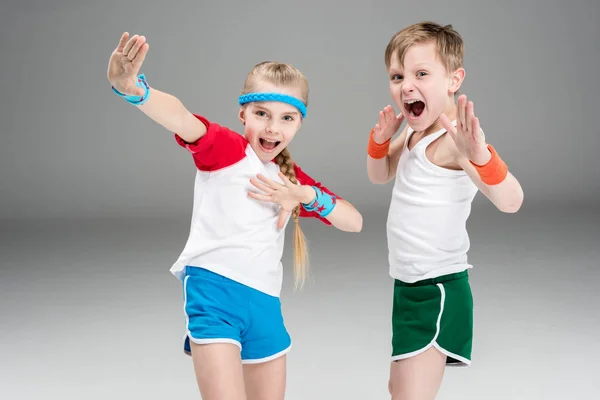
(95, 198)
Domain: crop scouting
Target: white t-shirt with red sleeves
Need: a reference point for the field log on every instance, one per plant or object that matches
(231, 233)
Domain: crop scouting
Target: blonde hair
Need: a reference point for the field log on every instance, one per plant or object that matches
(281, 74)
(450, 45)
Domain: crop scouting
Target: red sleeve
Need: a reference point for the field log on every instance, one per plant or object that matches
(305, 179)
(220, 147)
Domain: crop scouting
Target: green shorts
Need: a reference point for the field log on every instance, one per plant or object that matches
(433, 312)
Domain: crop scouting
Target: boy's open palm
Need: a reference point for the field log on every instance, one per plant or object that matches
(125, 63)
(467, 135)
(388, 125)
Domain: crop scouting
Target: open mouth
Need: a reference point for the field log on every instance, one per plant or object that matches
(268, 145)
(414, 108)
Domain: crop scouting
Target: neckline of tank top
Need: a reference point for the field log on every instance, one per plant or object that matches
(433, 135)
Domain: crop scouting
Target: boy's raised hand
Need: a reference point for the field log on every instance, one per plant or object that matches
(467, 135)
(388, 125)
(125, 63)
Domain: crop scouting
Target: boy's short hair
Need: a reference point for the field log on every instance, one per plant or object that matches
(450, 45)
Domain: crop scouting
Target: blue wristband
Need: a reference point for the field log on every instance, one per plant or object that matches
(323, 204)
(134, 99)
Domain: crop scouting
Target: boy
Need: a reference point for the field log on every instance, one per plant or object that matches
(436, 178)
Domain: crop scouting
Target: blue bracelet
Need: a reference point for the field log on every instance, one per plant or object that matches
(323, 204)
(134, 99)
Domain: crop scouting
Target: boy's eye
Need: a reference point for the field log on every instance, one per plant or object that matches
(421, 74)
(288, 118)
(396, 77)
(261, 113)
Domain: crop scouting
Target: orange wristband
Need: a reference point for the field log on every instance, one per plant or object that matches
(494, 171)
(376, 150)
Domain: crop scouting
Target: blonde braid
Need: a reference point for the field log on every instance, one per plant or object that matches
(286, 165)
(285, 75)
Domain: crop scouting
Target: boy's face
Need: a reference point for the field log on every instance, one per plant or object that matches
(270, 125)
(422, 88)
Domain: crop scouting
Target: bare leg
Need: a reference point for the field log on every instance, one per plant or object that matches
(266, 381)
(418, 377)
(219, 371)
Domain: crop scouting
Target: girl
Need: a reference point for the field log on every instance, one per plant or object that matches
(246, 189)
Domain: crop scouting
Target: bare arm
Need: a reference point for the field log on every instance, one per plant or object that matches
(168, 111)
(382, 170)
(123, 70)
(344, 216)
(507, 196)
(471, 148)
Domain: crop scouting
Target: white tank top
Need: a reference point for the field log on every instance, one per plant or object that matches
(426, 227)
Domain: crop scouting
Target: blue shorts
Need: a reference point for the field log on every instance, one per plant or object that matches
(220, 310)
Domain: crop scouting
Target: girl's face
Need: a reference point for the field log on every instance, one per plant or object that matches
(270, 126)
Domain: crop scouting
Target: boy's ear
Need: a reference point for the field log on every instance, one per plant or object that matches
(241, 116)
(456, 79)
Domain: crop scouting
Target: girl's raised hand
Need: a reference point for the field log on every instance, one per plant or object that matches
(125, 63)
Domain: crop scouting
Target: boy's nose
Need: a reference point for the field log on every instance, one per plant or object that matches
(407, 87)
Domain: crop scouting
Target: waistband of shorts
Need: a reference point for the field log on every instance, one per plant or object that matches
(434, 281)
(205, 273)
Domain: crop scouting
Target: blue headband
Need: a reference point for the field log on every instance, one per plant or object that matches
(252, 97)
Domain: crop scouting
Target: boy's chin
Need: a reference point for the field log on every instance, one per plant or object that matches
(423, 123)
(420, 124)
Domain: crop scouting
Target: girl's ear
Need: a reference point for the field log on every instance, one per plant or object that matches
(242, 116)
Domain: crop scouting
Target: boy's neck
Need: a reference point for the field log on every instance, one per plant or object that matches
(437, 125)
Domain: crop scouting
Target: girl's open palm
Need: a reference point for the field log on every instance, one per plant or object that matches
(288, 195)
(125, 63)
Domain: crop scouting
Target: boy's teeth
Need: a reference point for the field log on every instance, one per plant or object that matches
(411, 101)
